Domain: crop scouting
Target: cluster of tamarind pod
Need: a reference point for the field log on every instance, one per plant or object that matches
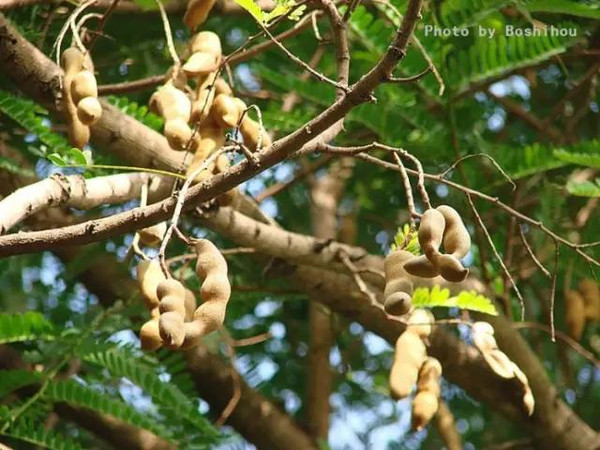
(175, 321)
(442, 225)
(582, 305)
(500, 363)
(412, 367)
(79, 95)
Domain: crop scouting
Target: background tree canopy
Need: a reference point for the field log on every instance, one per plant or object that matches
(490, 106)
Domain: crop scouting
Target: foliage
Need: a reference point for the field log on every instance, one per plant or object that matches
(469, 300)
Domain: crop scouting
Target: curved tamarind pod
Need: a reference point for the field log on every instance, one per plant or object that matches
(424, 406)
(178, 133)
(83, 85)
(457, 240)
(152, 236)
(451, 268)
(171, 287)
(197, 12)
(483, 336)
(208, 317)
(149, 275)
(172, 303)
(528, 400)
(206, 42)
(419, 322)
(190, 305)
(483, 339)
(171, 329)
(170, 103)
(221, 87)
(409, 355)
(421, 267)
(393, 265)
(225, 111)
(210, 260)
(150, 336)
(591, 295)
(431, 232)
(205, 94)
(200, 63)
(397, 304)
(171, 294)
(211, 140)
(574, 314)
(429, 374)
(72, 62)
(89, 110)
(398, 285)
(251, 131)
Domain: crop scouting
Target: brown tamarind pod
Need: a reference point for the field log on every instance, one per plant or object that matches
(393, 265)
(171, 294)
(421, 267)
(205, 94)
(451, 268)
(150, 336)
(190, 305)
(574, 314)
(409, 355)
(210, 260)
(197, 12)
(178, 133)
(72, 61)
(398, 285)
(152, 236)
(225, 111)
(211, 140)
(170, 286)
(429, 376)
(420, 321)
(397, 304)
(89, 110)
(457, 240)
(149, 275)
(200, 63)
(170, 103)
(591, 295)
(171, 327)
(431, 232)
(483, 338)
(424, 406)
(221, 87)
(251, 131)
(206, 42)
(83, 85)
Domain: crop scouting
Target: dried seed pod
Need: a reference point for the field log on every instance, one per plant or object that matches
(251, 131)
(197, 12)
(398, 287)
(421, 267)
(397, 304)
(393, 266)
(190, 305)
(221, 87)
(72, 62)
(450, 268)
(178, 133)
(591, 295)
(149, 275)
(175, 107)
(216, 290)
(409, 355)
(425, 403)
(205, 94)
(483, 338)
(231, 196)
(89, 110)
(171, 294)
(224, 111)
(170, 287)
(574, 314)
(200, 63)
(152, 236)
(211, 140)
(431, 232)
(528, 400)
(206, 42)
(420, 321)
(83, 85)
(457, 240)
(150, 336)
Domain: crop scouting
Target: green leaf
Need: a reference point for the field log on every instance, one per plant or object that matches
(12, 380)
(436, 296)
(406, 240)
(24, 327)
(148, 5)
(582, 159)
(56, 159)
(33, 432)
(584, 188)
(253, 9)
(77, 157)
(571, 8)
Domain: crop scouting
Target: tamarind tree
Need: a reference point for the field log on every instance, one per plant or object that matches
(299, 224)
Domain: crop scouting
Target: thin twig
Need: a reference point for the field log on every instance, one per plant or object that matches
(360, 283)
(169, 36)
(553, 291)
(251, 340)
(102, 23)
(532, 254)
(480, 155)
(410, 79)
(410, 201)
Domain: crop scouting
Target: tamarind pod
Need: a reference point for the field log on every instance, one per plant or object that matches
(170, 103)
(424, 406)
(200, 63)
(216, 288)
(205, 94)
(77, 132)
(171, 303)
(190, 305)
(149, 275)
(72, 61)
(178, 133)
(170, 286)
(89, 110)
(210, 260)
(205, 146)
(208, 317)
(153, 235)
(206, 42)
(499, 363)
(419, 322)
(240, 104)
(398, 285)
(409, 355)
(421, 267)
(83, 85)
(393, 265)
(591, 295)
(457, 240)
(397, 304)
(251, 130)
(197, 12)
(450, 268)
(150, 336)
(528, 399)
(225, 111)
(431, 232)
(483, 336)
(171, 329)
(221, 87)
(574, 314)
(429, 376)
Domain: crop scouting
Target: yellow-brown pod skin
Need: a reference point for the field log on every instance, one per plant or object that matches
(420, 321)
(251, 131)
(72, 62)
(409, 354)
(451, 268)
(149, 275)
(150, 336)
(89, 111)
(431, 232)
(398, 287)
(591, 295)
(425, 403)
(197, 12)
(421, 267)
(83, 85)
(221, 87)
(457, 240)
(152, 236)
(575, 314)
(205, 95)
(171, 294)
(175, 107)
(225, 111)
